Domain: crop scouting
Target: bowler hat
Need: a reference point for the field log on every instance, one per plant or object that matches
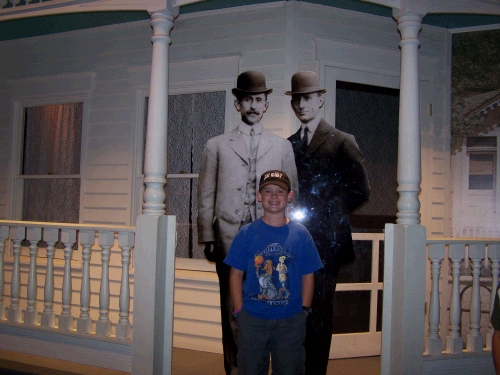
(305, 83)
(251, 82)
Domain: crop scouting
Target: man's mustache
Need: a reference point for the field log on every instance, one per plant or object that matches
(252, 113)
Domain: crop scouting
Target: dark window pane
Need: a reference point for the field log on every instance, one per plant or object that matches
(359, 271)
(380, 299)
(480, 182)
(482, 142)
(193, 120)
(381, 262)
(482, 171)
(53, 200)
(351, 312)
(52, 139)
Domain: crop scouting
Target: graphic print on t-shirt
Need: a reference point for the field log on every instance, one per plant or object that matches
(271, 269)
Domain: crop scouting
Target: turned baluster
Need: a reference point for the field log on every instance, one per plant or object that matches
(123, 328)
(68, 238)
(14, 312)
(48, 317)
(474, 339)
(84, 322)
(454, 342)
(434, 344)
(4, 234)
(33, 235)
(103, 325)
(494, 257)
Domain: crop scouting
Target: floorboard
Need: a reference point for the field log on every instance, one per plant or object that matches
(184, 362)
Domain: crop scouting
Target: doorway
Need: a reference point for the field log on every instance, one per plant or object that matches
(370, 113)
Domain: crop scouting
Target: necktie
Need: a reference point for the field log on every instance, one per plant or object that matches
(253, 144)
(305, 138)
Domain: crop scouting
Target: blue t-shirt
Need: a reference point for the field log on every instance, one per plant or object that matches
(274, 259)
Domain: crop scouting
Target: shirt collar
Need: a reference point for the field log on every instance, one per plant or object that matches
(245, 128)
(312, 125)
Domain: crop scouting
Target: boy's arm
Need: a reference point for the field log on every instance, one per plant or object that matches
(307, 289)
(236, 288)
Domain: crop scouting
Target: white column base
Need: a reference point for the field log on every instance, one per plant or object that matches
(489, 337)
(454, 345)
(475, 343)
(65, 323)
(14, 314)
(48, 320)
(123, 331)
(103, 328)
(31, 317)
(433, 346)
(404, 299)
(84, 325)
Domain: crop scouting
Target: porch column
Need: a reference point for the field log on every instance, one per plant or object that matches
(405, 242)
(152, 224)
(409, 168)
(155, 158)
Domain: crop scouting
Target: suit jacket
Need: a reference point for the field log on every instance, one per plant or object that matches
(223, 178)
(332, 183)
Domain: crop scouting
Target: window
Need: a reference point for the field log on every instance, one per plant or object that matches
(482, 162)
(51, 163)
(193, 120)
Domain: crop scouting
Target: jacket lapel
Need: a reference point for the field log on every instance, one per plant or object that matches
(295, 138)
(319, 136)
(238, 145)
(264, 144)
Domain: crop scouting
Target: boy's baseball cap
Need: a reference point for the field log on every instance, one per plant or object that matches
(275, 177)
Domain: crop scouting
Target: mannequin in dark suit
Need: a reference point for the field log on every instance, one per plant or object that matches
(332, 183)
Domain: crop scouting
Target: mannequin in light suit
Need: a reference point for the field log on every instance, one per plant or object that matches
(227, 200)
(333, 182)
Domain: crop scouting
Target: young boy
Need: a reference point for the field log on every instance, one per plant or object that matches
(278, 258)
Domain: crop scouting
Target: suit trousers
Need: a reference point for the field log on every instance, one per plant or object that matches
(320, 322)
(229, 325)
(228, 322)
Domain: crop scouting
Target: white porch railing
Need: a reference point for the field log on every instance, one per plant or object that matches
(28, 247)
(44, 267)
(463, 278)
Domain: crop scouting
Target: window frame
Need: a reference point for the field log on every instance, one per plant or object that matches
(177, 89)
(19, 127)
(483, 150)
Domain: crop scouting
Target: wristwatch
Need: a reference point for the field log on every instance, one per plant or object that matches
(309, 310)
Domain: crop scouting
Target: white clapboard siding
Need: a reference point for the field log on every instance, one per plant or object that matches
(197, 311)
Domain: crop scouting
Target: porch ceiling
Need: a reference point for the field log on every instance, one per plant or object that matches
(35, 26)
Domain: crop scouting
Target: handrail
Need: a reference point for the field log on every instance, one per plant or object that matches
(97, 227)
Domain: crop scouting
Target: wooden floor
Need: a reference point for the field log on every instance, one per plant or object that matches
(185, 362)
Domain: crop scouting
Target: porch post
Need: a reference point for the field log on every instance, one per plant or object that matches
(405, 242)
(409, 167)
(150, 227)
(155, 158)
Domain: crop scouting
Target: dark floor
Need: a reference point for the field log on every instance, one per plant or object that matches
(185, 362)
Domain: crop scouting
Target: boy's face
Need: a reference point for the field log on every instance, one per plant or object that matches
(274, 198)
(252, 108)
